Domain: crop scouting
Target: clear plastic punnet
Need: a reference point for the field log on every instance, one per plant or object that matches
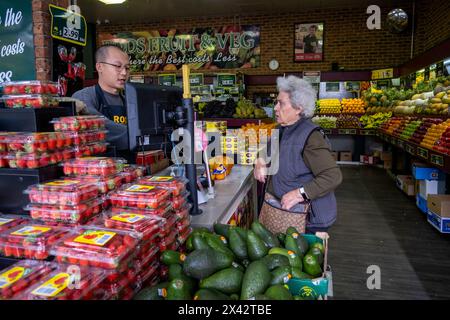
(22, 275)
(86, 137)
(134, 171)
(3, 144)
(79, 123)
(89, 150)
(30, 241)
(62, 192)
(96, 247)
(104, 184)
(163, 211)
(30, 87)
(149, 272)
(37, 141)
(97, 166)
(176, 185)
(76, 214)
(35, 101)
(68, 282)
(183, 212)
(9, 221)
(25, 160)
(139, 196)
(168, 242)
(182, 225)
(147, 227)
(4, 162)
(180, 201)
(182, 237)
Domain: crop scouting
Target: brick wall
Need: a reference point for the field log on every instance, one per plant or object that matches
(42, 38)
(347, 39)
(433, 24)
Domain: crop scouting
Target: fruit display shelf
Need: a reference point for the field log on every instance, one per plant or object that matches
(235, 122)
(432, 157)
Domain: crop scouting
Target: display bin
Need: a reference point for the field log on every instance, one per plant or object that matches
(22, 275)
(421, 204)
(442, 224)
(32, 120)
(13, 183)
(318, 288)
(424, 172)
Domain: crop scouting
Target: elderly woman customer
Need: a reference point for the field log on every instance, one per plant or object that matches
(307, 170)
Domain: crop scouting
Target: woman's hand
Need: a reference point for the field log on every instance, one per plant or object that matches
(260, 171)
(290, 199)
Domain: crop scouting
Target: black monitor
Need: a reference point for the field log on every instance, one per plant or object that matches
(147, 108)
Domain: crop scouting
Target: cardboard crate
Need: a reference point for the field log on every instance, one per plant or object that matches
(428, 187)
(321, 287)
(345, 156)
(147, 158)
(386, 156)
(421, 204)
(440, 223)
(406, 184)
(439, 204)
(334, 154)
(423, 171)
(387, 164)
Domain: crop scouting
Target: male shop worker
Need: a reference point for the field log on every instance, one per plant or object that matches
(106, 98)
(310, 40)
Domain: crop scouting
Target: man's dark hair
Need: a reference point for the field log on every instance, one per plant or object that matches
(102, 52)
(314, 26)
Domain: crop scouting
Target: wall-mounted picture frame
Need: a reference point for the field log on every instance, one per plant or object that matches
(308, 42)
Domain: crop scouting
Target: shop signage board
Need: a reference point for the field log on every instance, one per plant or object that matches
(440, 69)
(311, 76)
(167, 79)
(437, 160)
(196, 79)
(382, 74)
(352, 86)
(17, 60)
(223, 47)
(332, 87)
(68, 25)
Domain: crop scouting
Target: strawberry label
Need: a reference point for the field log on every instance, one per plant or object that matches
(53, 286)
(140, 188)
(4, 221)
(160, 179)
(128, 217)
(63, 183)
(31, 231)
(13, 275)
(94, 237)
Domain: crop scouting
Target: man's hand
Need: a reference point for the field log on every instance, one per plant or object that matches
(260, 171)
(290, 199)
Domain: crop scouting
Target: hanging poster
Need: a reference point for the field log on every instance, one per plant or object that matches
(308, 44)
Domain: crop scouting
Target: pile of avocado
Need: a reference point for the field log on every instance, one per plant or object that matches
(237, 264)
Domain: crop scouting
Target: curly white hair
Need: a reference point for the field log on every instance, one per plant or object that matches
(301, 94)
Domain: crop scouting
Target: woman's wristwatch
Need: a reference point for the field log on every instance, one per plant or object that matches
(302, 192)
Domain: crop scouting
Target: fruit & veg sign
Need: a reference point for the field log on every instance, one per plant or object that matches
(228, 47)
(16, 41)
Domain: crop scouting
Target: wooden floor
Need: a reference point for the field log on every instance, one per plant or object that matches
(379, 225)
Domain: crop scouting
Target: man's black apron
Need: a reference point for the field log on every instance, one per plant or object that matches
(116, 113)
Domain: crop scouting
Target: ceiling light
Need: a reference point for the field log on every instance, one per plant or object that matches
(112, 1)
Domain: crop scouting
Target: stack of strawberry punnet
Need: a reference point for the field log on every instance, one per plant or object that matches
(88, 133)
(112, 250)
(64, 201)
(180, 204)
(145, 265)
(30, 94)
(31, 150)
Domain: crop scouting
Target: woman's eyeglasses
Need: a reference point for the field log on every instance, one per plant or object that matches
(118, 67)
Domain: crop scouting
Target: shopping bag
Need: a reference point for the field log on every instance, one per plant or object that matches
(277, 220)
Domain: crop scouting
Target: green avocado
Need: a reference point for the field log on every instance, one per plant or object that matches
(256, 248)
(256, 280)
(227, 281)
(202, 263)
(278, 292)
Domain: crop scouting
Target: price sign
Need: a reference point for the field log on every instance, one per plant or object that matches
(410, 149)
(327, 131)
(437, 160)
(367, 132)
(225, 80)
(196, 79)
(167, 79)
(68, 25)
(347, 131)
(382, 74)
(423, 153)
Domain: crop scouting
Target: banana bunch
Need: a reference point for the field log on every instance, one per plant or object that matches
(375, 120)
(246, 110)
